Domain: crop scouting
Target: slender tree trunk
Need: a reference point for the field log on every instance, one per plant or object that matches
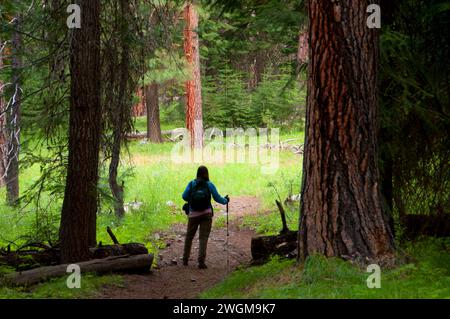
(257, 67)
(119, 117)
(341, 210)
(2, 123)
(13, 117)
(302, 50)
(194, 119)
(139, 107)
(153, 121)
(78, 217)
(116, 189)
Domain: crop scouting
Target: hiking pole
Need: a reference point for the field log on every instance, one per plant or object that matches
(228, 234)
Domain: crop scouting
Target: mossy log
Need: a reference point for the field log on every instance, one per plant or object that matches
(135, 264)
(29, 259)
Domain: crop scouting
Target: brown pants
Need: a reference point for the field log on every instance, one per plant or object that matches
(205, 223)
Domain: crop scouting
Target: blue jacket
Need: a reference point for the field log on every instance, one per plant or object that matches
(215, 194)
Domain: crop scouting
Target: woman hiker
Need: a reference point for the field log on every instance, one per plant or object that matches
(200, 212)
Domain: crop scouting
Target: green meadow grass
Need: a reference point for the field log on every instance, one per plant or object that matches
(153, 179)
(57, 288)
(427, 276)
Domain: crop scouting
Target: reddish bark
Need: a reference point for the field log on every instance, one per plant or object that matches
(194, 122)
(302, 51)
(139, 108)
(341, 211)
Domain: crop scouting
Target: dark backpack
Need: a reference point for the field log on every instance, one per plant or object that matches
(200, 196)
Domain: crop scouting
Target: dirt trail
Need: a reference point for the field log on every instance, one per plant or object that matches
(173, 280)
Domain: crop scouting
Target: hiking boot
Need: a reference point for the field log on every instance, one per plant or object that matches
(202, 266)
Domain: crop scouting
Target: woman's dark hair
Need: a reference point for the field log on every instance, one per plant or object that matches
(202, 173)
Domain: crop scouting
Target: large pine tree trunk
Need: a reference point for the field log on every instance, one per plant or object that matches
(341, 210)
(153, 121)
(13, 118)
(194, 119)
(78, 218)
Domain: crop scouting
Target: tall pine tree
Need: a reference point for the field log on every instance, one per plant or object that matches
(341, 211)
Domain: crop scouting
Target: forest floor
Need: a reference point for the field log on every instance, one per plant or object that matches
(170, 279)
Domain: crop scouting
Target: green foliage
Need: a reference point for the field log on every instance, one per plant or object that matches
(415, 100)
(279, 102)
(268, 220)
(242, 281)
(427, 276)
(226, 102)
(269, 223)
(247, 57)
(4, 270)
(166, 66)
(172, 111)
(233, 31)
(276, 102)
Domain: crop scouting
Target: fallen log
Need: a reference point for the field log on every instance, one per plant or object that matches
(29, 259)
(169, 134)
(136, 135)
(118, 250)
(23, 260)
(137, 263)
